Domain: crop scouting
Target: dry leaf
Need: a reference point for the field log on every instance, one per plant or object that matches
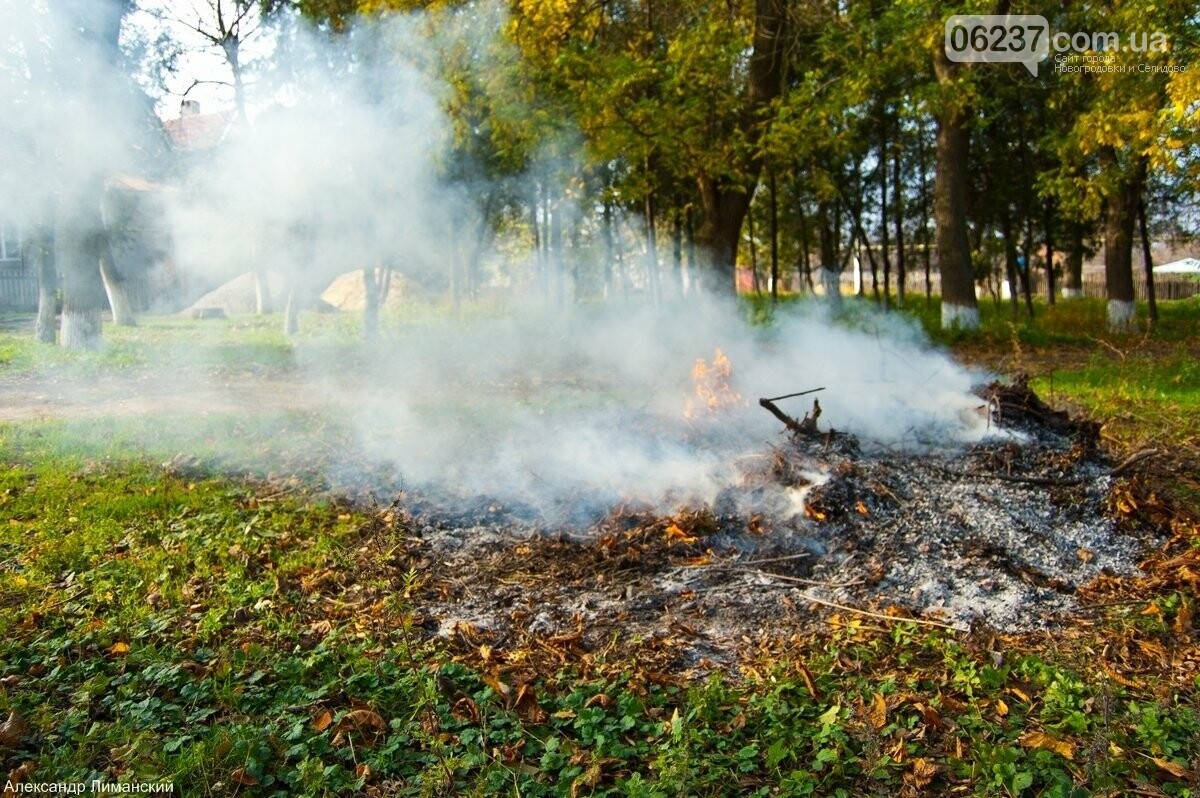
(118, 649)
(809, 684)
(1178, 771)
(931, 717)
(1183, 619)
(527, 706)
(364, 719)
(466, 710)
(20, 774)
(1044, 741)
(240, 776)
(1001, 708)
(861, 508)
(12, 730)
(363, 771)
(323, 721)
(878, 711)
(1021, 694)
(921, 773)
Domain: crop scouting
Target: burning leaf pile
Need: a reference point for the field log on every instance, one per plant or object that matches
(1000, 535)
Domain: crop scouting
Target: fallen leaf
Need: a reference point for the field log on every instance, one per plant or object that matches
(363, 771)
(809, 684)
(1021, 694)
(364, 719)
(118, 649)
(861, 508)
(527, 706)
(878, 711)
(931, 717)
(466, 710)
(921, 773)
(323, 721)
(1178, 771)
(1045, 741)
(240, 776)
(1001, 708)
(12, 730)
(1183, 619)
(20, 774)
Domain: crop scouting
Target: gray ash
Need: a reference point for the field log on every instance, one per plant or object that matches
(999, 534)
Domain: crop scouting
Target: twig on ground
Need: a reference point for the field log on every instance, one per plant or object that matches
(795, 579)
(1129, 462)
(880, 616)
(801, 556)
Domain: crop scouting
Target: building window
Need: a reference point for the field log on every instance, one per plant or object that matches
(10, 244)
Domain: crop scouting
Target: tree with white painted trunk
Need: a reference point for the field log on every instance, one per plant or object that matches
(959, 306)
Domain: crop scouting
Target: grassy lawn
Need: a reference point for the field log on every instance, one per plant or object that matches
(160, 623)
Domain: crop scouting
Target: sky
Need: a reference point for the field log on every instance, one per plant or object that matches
(201, 71)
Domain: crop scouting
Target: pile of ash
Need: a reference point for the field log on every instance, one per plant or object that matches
(997, 535)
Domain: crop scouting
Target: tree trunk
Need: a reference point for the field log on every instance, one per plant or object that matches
(950, 188)
(648, 214)
(725, 200)
(1073, 289)
(884, 243)
(753, 254)
(677, 247)
(1048, 226)
(291, 313)
(959, 306)
(926, 255)
(805, 264)
(77, 250)
(1010, 262)
(1120, 212)
(1027, 272)
(830, 267)
(118, 292)
(262, 293)
(1147, 262)
(898, 197)
(610, 253)
(774, 239)
(371, 301)
(40, 252)
(557, 250)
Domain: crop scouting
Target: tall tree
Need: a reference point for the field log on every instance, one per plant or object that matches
(726, 192)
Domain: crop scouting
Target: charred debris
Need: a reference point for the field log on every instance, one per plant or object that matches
(998, 535)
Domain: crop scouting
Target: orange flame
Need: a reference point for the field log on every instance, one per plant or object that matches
(714, 391)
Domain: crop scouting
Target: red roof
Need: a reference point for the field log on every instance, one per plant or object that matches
(199, 131)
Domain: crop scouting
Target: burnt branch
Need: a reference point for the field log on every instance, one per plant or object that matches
(807, 427)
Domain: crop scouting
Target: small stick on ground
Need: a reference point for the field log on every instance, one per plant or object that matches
(1133, 460)
(880, 616)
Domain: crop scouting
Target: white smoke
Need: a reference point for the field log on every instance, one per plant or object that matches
(343, 167)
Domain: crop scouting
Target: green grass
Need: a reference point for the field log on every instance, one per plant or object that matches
(235, 639)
